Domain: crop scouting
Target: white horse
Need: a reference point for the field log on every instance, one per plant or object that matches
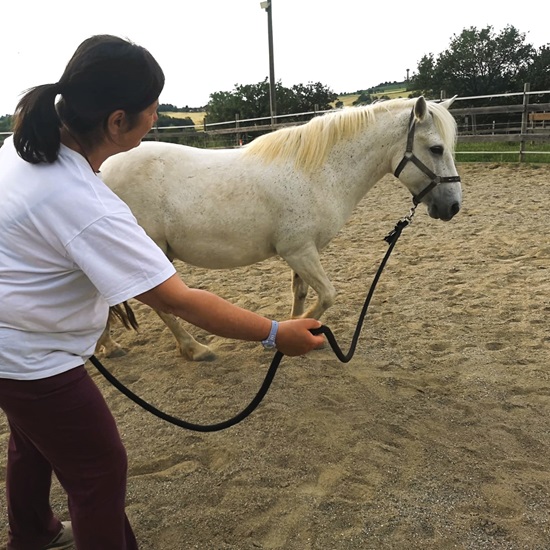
(287, 193)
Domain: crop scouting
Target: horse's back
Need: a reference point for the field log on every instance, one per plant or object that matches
(144, 162)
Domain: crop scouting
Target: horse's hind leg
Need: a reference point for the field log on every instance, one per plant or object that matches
(124, 313)
(107, 345)
(187, 345)
(299, 293)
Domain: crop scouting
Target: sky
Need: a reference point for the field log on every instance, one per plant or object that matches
(207, 46)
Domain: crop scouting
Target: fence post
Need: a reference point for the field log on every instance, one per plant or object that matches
(524, 119)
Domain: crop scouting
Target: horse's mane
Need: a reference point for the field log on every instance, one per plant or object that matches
(309, 144)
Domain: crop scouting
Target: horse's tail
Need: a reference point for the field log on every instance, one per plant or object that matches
(124, 315)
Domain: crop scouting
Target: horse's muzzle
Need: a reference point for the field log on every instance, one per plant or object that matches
(444, 214)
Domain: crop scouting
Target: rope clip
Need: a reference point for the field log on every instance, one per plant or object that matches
(400, 225)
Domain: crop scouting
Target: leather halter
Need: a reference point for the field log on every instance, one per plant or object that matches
(410, 156)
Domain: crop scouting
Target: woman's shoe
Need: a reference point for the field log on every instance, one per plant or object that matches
(64, 538)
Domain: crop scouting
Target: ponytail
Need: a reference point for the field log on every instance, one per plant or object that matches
(36, 133)
(106, 73)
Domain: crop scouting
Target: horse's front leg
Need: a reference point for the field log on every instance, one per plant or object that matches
(187, 345)
(307, 265)
(299, 293)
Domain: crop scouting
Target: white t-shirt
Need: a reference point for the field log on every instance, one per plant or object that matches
(69, 249)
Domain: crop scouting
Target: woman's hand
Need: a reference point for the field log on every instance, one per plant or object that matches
(294, 337)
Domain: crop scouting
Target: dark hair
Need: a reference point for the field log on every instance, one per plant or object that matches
(106, 73)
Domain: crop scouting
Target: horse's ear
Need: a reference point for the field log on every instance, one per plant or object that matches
(420, 108)
(448, 102)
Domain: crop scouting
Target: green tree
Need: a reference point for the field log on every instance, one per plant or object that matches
(5, 123)
(164, 120)
(424, 79)
(167, 107)
(478, 62)
(364, 99)
(252, 101)
(538, 74)
(245, 101)
(312, 96)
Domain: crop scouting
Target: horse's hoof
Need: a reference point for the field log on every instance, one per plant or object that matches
(199, 353)
(118, 352)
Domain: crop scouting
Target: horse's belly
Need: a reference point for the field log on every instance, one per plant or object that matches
(219, 232)
(222, 255)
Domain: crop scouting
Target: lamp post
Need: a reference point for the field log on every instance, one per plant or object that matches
(267, 6)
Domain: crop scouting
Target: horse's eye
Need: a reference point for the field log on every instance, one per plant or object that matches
(437, 150)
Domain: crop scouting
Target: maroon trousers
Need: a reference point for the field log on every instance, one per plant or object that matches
(62, 424)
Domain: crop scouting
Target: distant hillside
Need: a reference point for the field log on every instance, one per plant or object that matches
(391, 90)
(387, 90)
(196, 117)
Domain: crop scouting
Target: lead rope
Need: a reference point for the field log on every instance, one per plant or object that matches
(391, 239)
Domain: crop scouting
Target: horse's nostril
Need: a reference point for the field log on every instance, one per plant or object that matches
(455, 208)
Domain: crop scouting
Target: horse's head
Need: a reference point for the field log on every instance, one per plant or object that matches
(426, 166)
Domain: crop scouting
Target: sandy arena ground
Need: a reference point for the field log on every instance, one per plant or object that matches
(435, 436)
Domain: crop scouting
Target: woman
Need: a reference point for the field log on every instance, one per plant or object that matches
(69, 249)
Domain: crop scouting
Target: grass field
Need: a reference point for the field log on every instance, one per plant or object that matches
(197, 118)
(534, 152)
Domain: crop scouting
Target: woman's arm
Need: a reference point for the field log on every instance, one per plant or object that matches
(218, 316)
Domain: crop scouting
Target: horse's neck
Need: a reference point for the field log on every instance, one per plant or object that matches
(358, 164)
